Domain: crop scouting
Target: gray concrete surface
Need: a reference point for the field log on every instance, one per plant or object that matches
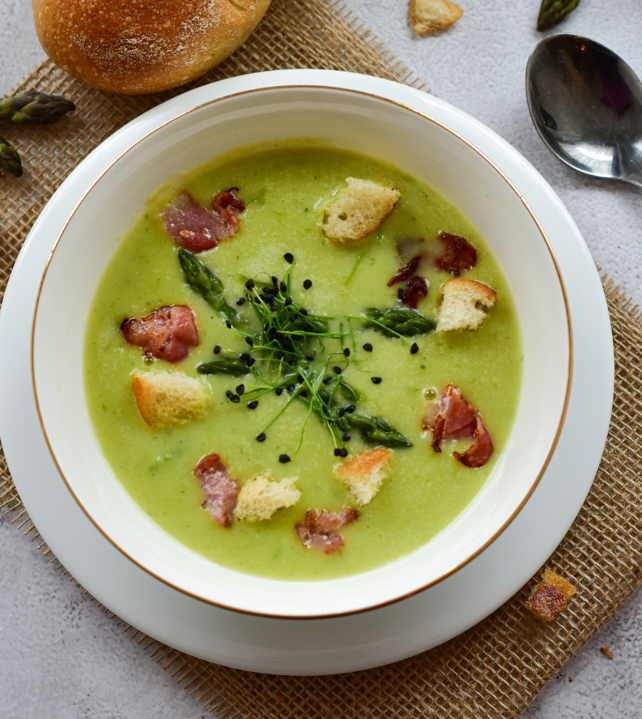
(61, 657)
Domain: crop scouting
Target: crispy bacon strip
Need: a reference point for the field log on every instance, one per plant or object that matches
(166, 333)
(452, 417)
(413, 291)
(319, 529)
(195, 227)
(406, 272)
(458, 254)
(221, 492)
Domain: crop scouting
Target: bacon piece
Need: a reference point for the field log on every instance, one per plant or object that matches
(166, 333)
(406, 272)
(458, 254)
(319, 529)
(197, 228)
(452, 417)
(221, 492)
(413, 291)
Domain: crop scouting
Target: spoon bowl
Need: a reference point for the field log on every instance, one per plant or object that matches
(586, 104)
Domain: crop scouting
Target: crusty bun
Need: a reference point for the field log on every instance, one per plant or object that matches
(139, 46)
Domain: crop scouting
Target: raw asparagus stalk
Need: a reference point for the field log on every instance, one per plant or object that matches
(553, 11)
(9, 158)
(34, 106)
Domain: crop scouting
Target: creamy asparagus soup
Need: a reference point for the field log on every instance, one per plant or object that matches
(301, 362)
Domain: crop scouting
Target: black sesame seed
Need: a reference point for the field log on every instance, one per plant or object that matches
(240, 388)
(414, 349)
(345, 437)
(245, 356)
(217, 349)
(337, 451)
(279, 391)
(228, 324)
(250, 284)
(303, 311)
(240, 301)
(288, 257)
(253, 404)
(284, 458)
(288, 301)
(235, 398)
(327, 380)
(273, 306)
(275, 281)
(342, 411)
(376, 380)
(309, 357)
(250, 341)
(293, 318)
(283, 287)
(290, 388)
(367, 347)
(261, 437)
(337, 370)
(229, 393)
(303, 394)
(343, 452)
(351, 408)
(307, 284)
(346, 352)
(251, 361)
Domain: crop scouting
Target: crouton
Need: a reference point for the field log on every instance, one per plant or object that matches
(363, 475)
(550, 596)
(465, 305)
(433, 15)
(169, 399)
(358, 211)
(261, 496)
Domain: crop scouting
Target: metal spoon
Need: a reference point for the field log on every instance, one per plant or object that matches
(586, 104)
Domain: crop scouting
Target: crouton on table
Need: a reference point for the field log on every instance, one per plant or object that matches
(465, 305)
(550, 596)
(358, 211)
(364, 474)
(433, 15)
(170, 399)
(262, 496)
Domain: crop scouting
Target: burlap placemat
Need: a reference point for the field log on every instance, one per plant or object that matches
(499, 666)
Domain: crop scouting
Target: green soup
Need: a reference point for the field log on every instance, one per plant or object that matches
(285, 189)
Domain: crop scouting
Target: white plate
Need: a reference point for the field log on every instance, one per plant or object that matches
(334, 644)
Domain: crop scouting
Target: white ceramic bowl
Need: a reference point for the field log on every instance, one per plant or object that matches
(385, 123)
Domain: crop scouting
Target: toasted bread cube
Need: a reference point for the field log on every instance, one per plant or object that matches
(261, 496)
(550, 596)
(363, 475)
(358, 211)
(433, 15)
(170, 399)
(465, 305)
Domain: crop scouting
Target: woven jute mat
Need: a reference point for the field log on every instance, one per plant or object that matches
(498, 667)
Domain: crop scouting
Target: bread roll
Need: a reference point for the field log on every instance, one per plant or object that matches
(140, 46)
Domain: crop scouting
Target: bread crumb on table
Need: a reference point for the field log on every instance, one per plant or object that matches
(433, 15)
(550, 596)
(607, 652)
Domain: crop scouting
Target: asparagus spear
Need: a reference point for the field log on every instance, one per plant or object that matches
(202, 280)
(374, 430)
(553, 11)
(399, 321)
(34, 106)
(9, 158)
(224, 365)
